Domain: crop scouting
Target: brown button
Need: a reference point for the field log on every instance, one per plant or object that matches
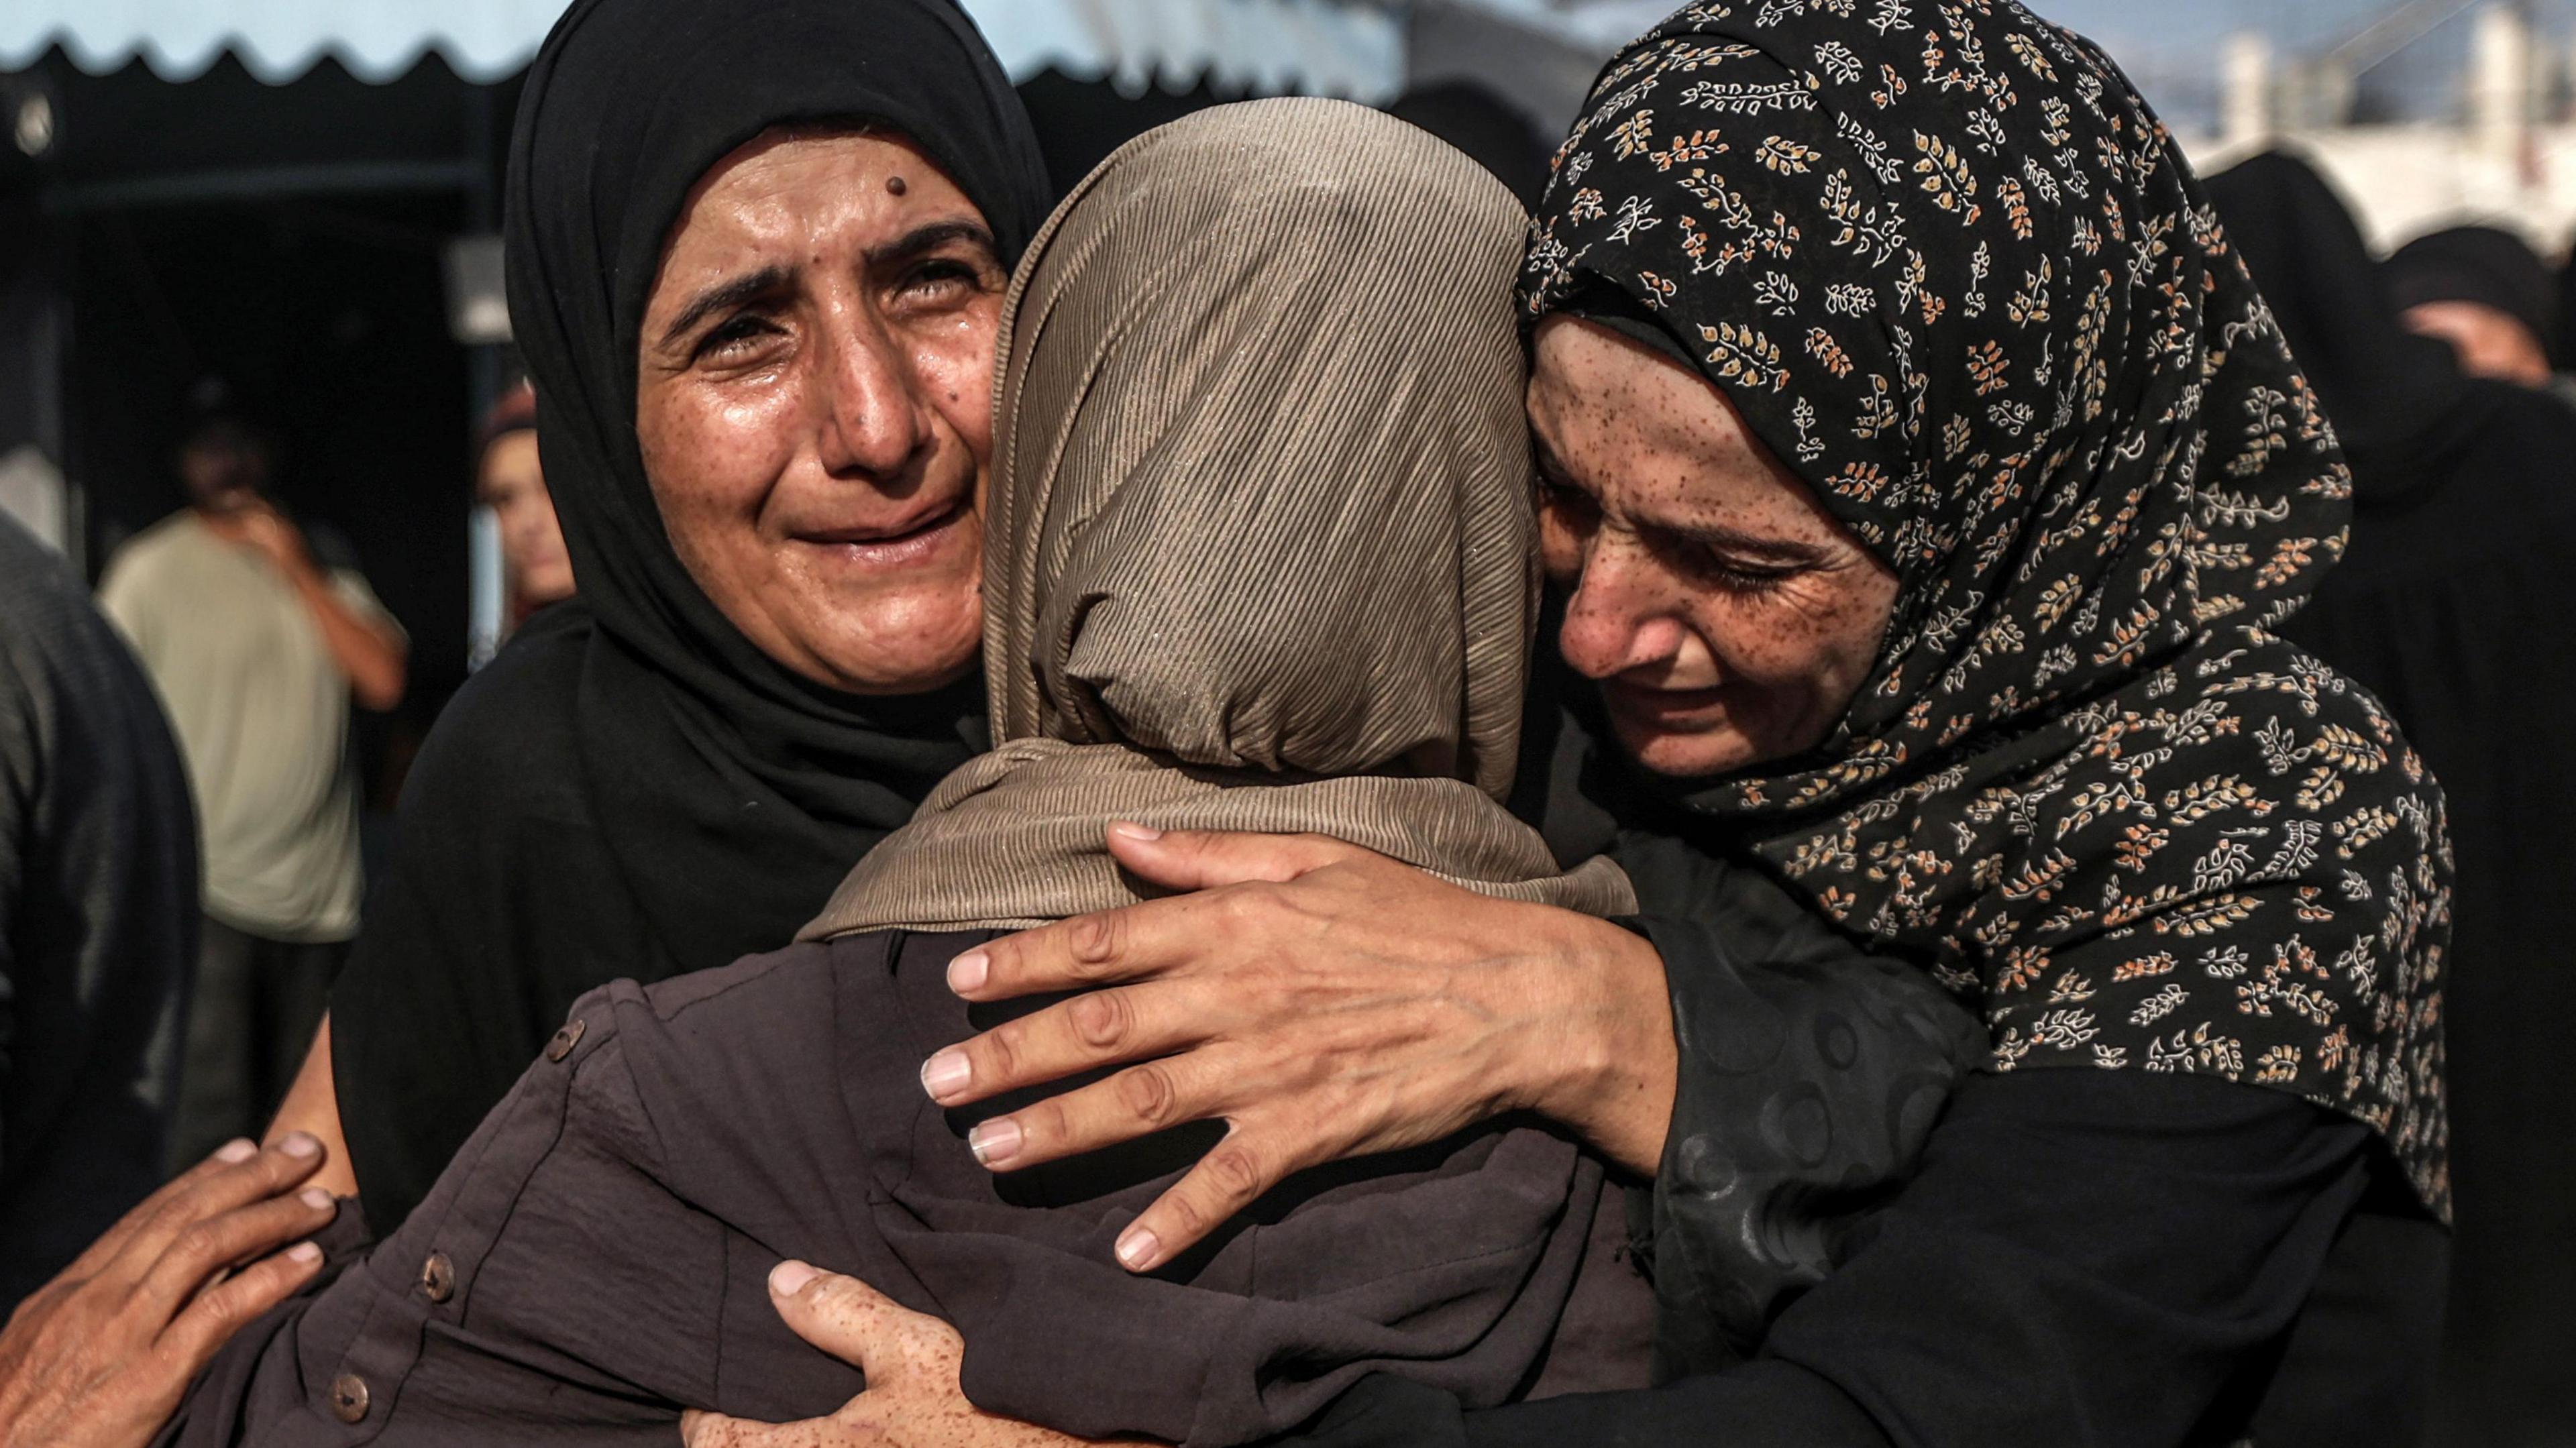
(565, 1039)
(438, 1278)
(349, 1397)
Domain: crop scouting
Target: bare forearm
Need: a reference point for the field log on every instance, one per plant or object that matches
(312, 1105)
(373, 656)
(1611, 1079)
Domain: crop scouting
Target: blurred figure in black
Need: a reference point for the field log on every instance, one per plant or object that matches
(2448, 605)
(98, 919)
(2486, 292)
(257, 636)
(1480, 123)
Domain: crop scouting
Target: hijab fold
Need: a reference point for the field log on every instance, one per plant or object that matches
(1262, 536)
(1955, 274)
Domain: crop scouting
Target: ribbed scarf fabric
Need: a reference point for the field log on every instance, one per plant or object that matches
(1261, 538)
(1954, 273)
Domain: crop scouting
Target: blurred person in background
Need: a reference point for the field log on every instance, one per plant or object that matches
(535, 565)
(2483, 290)
(2448, 606)
(257, 638)
(98, 919)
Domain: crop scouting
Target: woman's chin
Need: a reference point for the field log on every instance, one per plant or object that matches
(1685, 754)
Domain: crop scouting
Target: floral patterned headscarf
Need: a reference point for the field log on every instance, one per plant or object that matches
(1950, 268)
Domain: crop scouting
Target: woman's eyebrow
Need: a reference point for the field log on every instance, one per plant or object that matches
(922, 240)
(725, 296)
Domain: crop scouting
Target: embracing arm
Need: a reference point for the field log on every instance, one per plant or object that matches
(2088, 1258)
(1325, 1002)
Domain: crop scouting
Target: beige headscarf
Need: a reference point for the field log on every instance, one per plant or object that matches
(1259, 554)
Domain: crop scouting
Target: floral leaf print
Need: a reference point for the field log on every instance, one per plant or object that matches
(1787, 157)
(1822, 346)
(1862, 227)
(1686, 150)
(1636, 214)
(1636, 133)
(1743, 355)
(1730, 98)
(1946, 176)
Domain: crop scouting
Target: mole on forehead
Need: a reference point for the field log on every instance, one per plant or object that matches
(895, 185)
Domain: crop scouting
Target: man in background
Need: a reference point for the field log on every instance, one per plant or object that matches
(257, 646)
(98, 919)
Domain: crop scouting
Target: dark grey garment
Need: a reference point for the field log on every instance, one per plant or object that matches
(1811, 1070)
(98, 918)
(251, 1020)
(594, 1259)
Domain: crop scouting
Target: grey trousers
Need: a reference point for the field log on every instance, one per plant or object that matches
(251, 1018)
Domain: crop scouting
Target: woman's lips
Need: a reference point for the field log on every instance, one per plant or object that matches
(1665, 708)
(875, 552)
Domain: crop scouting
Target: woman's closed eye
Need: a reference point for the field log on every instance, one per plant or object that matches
(736, 339)
(944, 280)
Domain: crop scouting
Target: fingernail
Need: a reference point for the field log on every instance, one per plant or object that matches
(305, 1253)
(300, 1143)
(1137, 1249)
(994, 1142)
(1130, 830)
(946, 1073)
(789, 1277)
(315, 1197)
(238, 1150)
(967, 972)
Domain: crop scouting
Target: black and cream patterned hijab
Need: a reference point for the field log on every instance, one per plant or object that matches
(1956, 275)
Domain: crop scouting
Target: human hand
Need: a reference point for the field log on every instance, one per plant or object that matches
(100, 1356)
(911, 1361)
(258, 526)
(1323, 1000)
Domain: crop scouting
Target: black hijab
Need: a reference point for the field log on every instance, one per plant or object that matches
(634, 789)
(2398, 400)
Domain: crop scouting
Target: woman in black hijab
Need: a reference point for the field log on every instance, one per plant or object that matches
(636, 787)
(2448, 608)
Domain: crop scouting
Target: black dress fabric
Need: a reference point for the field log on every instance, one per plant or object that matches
(1811, 1070)
(1953, 273)
(2448, 607)
(98, 919)
(2086, 1261)
(634, 789)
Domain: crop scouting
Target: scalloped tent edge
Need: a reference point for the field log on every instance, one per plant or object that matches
(1348, 48)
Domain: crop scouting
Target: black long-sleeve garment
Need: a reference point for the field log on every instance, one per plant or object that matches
(2086, 1259)
(98, 918)
(2103, 1259)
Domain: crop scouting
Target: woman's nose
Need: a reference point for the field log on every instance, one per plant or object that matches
(1620, 616)
(872, 419)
